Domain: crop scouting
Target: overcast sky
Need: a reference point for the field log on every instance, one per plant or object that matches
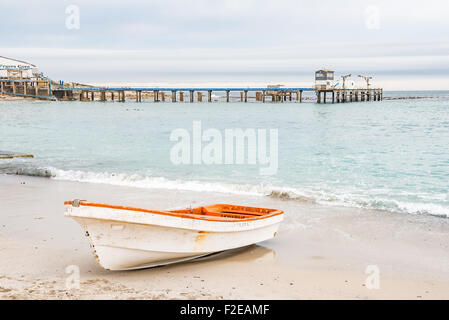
(403, 44)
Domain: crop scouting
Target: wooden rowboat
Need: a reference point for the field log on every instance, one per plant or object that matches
(125, 238)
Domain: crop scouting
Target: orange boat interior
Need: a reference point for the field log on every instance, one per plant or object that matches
(229, 211)
(215, 212)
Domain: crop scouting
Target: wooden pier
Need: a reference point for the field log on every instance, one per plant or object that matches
(179, 94)
(349, 95)
(42, 89)
(30, 88)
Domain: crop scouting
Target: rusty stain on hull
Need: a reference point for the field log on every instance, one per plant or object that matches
(200, 240)
(201, 236)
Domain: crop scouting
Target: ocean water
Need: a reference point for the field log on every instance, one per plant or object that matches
(391, 155)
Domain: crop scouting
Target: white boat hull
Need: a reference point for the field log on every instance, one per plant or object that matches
(124, 240)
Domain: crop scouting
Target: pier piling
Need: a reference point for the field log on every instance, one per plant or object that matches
(349, 95)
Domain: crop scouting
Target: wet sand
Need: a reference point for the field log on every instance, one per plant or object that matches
(319, 253)
(5, 97)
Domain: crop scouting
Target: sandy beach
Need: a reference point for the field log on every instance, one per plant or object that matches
(320, 252)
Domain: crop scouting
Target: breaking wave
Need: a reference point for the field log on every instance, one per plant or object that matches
(347, 199)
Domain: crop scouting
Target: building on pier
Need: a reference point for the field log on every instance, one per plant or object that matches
(344, 90)
(324, 79)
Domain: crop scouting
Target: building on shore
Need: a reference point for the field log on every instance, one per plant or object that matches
(17, 69)
(23, 79)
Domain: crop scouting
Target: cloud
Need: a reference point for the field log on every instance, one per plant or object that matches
(173, 39)
(226, 23)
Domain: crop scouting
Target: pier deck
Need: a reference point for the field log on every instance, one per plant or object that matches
(177, 94)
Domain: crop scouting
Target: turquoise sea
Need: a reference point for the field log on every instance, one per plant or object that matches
(391, 155)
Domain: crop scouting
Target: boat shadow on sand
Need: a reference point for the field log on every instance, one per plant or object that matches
(252, 254)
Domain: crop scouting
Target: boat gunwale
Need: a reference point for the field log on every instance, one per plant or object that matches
(205, 217)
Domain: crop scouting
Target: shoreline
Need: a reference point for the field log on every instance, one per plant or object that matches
(321, 252)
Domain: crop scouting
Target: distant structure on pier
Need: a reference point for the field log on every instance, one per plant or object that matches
(344, 90)
(324, 79)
